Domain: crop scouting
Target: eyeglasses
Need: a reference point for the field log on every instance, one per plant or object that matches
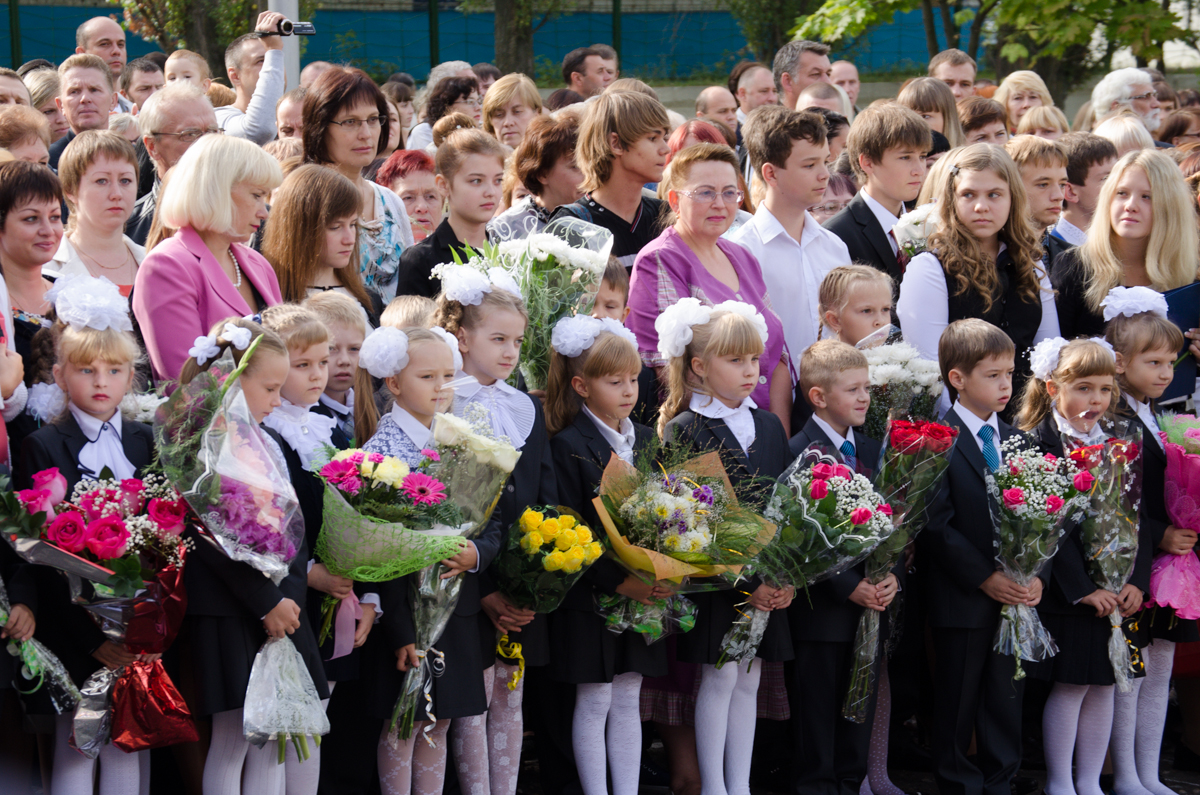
(470, 103)
(1140, 97)
(356, 124)
(832, 208)
(191, 136)
(708, 195)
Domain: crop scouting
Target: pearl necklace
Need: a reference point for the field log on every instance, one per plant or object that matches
(237, 285)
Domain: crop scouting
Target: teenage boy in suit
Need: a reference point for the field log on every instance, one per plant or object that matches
(830, 751)
(976, 692)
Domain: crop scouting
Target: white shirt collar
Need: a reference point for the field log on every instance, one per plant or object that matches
(887, 219)
(1066, 429)
(1146, 414)
(1070, 233)
(104, 447)
(306, 431)
(512, 411)
(413, 428)
(836, 437)
(973, 424)
(769, 226)
(346, 410)
(739, 420)
(621, 441)
(741, 114)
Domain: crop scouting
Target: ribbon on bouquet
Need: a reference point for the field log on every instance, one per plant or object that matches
(511, 650)
(432, 663)
(349, 611)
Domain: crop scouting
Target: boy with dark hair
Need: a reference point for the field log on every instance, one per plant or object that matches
(1090, 158)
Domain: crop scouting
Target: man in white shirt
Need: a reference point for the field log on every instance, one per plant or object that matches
(788, 150)
(1090, 158)
(104, 38)
(254, 63)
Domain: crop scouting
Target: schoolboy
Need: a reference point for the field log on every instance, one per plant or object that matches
(1090, 159)
(1043, 166)
(976, 692)
(622, 147)
(189, 67)
(887, 146)
(612, 301)
(830, 753)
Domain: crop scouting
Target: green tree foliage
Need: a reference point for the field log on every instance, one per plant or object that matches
(516, 22)
(765, 23)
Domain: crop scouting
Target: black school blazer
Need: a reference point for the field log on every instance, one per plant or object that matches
(58, 445)
(767, 458)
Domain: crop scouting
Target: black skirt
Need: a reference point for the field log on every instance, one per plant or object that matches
(584, 652)
(716, 611)
(534, 638)
(1082, 657)
(1160, 623)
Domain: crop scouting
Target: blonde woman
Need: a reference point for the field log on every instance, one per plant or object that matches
(1044, 121)
(934, 102)
(1126, 132)
(1019, 92)
(1143, 234)
(509, 105)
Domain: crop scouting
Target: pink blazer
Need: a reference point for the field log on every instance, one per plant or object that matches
(181, 291)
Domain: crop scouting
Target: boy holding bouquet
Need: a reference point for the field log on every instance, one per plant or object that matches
(964, 588)
(831, 752)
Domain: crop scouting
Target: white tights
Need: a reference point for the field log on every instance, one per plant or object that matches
(877, 782)
(1138, 725)
(120, 773)
(1078, 718)
(487, 747)
(726, 709)
(413, 767)
(234, 765)
(617, 706)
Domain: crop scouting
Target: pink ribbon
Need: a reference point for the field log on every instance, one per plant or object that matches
(349, 611)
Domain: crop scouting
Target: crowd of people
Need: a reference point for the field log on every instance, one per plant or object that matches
(776, 224)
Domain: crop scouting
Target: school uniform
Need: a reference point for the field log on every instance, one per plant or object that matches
(765, 455)
(976, 692)
(343, 432)
(582, 651)
(865, 226)
(418, 261)
(830, 752)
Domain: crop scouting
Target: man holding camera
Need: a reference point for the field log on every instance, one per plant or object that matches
(254, 63)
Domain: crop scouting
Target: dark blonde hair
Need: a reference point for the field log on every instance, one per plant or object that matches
(882, 127)
(676, 173)
(834, 292)
(627, 114)
(298, 327)
(725, 334)
(1146, 331)
(452, 316)
(1081, 358)
(930, 95)
(336, 309)
(271, 343)
(86, 148)
(957, 247)
(825, 360)
(966, 343)
(442, 128)
(461, 144)
(610, 354)
(616, 277)
(409, 310)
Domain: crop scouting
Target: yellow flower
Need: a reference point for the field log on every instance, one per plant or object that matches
(566, 539)
(661, 511)
(554, 561)
(570, 566)
(576, 553)
(550, 528)
(566, 521)
(391, 471)
(584, 535)
(366, 468)
(530, 521)
(594, 551)
(532, 542)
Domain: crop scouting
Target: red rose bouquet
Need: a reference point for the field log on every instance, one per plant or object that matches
(1175, 579)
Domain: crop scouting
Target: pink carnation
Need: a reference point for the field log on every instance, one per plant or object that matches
(860, 516)
(819, 490)
(107, 537)
(432, 455)
(52, 481)
(375, 458)
(1013, 498)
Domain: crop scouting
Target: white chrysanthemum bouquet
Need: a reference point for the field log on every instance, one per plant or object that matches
(902, 382)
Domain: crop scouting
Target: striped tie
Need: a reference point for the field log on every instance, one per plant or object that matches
(847, 449)
(987, 435)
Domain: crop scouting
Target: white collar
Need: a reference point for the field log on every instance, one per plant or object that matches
(739, 420)
(92, 426)
(1070, 233)
(103, 447)
(1066, 429)
(770, 227)
(512, 411)
(1146, 414)
(973, 424)
(413, 428)
(886, 218)
(344, 411)
(621, 441)
(306, 431)
(836, 437)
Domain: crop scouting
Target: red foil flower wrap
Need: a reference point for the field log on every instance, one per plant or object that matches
(147, 710)
(157, 613)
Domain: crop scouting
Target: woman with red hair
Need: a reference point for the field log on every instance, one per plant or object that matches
(410, 174)
(706, 131)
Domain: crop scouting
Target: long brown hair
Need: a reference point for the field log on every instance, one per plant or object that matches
(308, 201)
(609, 355)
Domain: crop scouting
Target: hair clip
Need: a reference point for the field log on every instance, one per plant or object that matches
(204, 349)
(953, 171)
(237, 336)
(255, 318)
(384, 352)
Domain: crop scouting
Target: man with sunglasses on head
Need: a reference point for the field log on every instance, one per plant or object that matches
(254, 63)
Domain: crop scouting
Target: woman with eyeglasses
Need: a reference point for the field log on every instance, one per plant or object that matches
(838, 193)
(346, 126)
(690, 258)
(457, 94)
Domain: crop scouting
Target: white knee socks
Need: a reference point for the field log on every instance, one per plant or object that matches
(120, 773)
(233, 762)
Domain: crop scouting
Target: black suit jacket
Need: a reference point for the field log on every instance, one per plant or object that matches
(767, 458)
(56, 150)
(58, 445)
(417, 262)
(957, 548)
(580, 453)
(827, 614)
(1153, 508)
(866, 240)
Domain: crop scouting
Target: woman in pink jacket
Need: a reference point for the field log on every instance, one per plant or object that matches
(216, 198)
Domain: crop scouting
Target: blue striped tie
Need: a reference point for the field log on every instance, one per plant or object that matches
(991, 455)
(847, 449)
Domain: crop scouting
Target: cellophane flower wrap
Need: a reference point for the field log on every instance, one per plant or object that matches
(1108, 476)
(381, 520)
(474, 466)
(39, 666)
(559, 272)
(672, 615)
(901, 382)
(1030, 497)
(913, 228)
(1175, 579)
(281, 701)
(915, 457)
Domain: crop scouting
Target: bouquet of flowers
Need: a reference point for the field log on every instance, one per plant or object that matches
(901, 381)
(915, 459)
(473, 466)
(1107, 477)
(1175, 579)
(1031, 497)
(913, 229)
(39, 665)
(558, 271)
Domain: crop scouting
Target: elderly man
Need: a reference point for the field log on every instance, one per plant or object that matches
(104, 38)
(756, 87)
(585, 71)
(171, 121)
(141, 79)
(85, 96)
(845, 75)
(254, 63)
(1127, 89)
(715, 102)
(957, 70)
(799, 64)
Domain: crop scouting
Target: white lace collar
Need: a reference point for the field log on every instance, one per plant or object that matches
(306, 431)
(739, 420)
(413, 428)
(512, 411)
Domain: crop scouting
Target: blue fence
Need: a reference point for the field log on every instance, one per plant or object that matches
(655, 45)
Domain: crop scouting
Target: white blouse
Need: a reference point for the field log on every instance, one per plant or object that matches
(512, 411)
(306, 431)
(739, 420)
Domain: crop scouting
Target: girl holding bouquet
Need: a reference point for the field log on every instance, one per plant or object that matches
(489, 321)
(96, 353)
(1072, 389)
(415, 365)
(592, 390)
(1146, 345)
(713, 355)
(232, 607)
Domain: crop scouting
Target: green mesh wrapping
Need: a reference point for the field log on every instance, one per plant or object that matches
(366, 549)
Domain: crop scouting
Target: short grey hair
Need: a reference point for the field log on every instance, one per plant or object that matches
(439, 73)
(788, 59)
(1117, 87)
(156, 111)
